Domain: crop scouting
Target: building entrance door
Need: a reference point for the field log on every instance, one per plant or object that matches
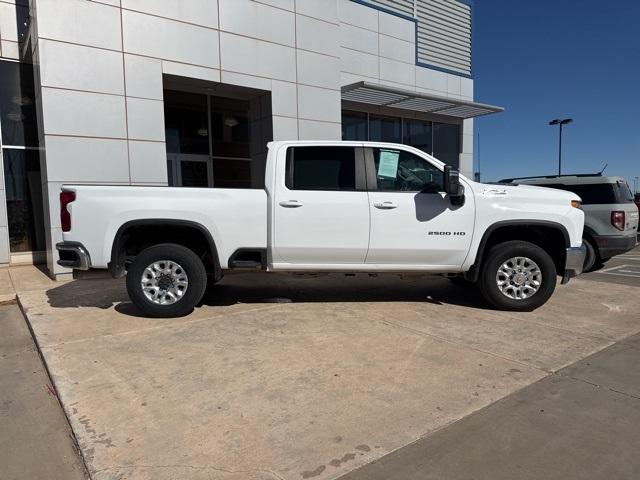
(188, 170)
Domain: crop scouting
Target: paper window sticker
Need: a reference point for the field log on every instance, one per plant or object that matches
(388, 163)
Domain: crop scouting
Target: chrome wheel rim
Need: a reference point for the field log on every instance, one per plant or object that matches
(164, 282)
(519, 278)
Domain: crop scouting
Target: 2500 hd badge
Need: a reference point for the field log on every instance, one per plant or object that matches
(444, 234)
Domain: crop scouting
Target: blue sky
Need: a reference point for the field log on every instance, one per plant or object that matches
(547, 59)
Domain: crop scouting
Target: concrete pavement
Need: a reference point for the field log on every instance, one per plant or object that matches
(580, 423)
(295, 378)
(35, 438)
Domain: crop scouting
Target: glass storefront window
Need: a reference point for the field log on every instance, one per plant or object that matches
(446, 143)
(354, 126)
(17, 105)
(194, 173)
(209, 141)
(186, 123)
(385, 129)
(230, 127)
(170, 175)
(417, 133)
(24, 199)
(442, 140)
(228, 173)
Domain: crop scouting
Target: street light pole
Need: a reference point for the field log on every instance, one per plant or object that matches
(560, 151)
(560, 122)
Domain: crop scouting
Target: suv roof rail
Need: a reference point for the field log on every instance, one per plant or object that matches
(508, 180)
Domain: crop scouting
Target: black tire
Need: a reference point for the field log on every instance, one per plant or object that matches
(497, 256)
(592, 258)
(193, 269)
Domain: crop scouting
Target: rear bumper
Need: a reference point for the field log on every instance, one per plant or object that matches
(612, 245)
(73, 255)
(574, 262)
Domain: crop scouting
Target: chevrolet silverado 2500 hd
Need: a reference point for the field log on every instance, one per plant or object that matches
(327, 207)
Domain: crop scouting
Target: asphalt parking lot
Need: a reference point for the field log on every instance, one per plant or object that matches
(35, 438)
(296, 378)
(623, 269)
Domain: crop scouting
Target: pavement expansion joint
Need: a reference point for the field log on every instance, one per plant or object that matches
(582, 380)
(186, 466)
(460, 344)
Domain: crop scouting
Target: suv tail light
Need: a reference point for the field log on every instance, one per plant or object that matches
(618, 219)
(66, 197)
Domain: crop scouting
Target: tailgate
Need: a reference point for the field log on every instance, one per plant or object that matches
(632, 218)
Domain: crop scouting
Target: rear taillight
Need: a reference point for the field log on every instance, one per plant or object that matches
(66, 198)
(618, 220)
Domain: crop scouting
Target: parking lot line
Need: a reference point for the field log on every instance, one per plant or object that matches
(630, 257)
(605, 270)
(622, 270)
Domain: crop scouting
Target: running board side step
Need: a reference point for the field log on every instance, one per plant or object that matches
(249, 258)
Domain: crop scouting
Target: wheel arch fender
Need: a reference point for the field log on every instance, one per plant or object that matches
(474, 271)
(117, 263)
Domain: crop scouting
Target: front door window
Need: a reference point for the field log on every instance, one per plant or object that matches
(401, 171)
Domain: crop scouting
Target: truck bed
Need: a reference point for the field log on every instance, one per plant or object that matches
(98, 212)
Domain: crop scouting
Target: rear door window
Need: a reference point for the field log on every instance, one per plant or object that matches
(321, 168)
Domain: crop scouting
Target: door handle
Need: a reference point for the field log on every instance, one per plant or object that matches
(385, 205)
(290, 203)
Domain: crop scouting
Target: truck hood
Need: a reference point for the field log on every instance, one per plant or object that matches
(521, 192)
(524, 203)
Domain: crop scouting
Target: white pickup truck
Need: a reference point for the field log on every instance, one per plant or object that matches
(327, 207)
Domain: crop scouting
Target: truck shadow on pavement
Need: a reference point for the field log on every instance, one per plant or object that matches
(103, 294)
(260, 288)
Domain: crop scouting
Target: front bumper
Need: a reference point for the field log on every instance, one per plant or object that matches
(574, 262)
(612, 245)
(73, 255)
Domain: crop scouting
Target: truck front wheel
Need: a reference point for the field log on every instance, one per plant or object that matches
(517, 276)
(166, 280)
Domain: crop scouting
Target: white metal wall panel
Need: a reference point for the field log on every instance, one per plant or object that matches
(401, 6)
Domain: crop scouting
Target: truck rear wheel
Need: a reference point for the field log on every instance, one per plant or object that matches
(518, 276)
(166, 280)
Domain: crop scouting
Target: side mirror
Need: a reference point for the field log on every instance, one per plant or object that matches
(451, 181)
(452, 185)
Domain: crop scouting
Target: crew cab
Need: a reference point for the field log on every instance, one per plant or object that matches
(327, 207)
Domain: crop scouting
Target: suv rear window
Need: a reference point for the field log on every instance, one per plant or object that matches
(625, 194)
(597, 193)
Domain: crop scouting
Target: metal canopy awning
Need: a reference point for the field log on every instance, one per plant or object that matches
(372, 94)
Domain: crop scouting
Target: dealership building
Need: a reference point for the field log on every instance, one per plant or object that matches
(188, 93)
